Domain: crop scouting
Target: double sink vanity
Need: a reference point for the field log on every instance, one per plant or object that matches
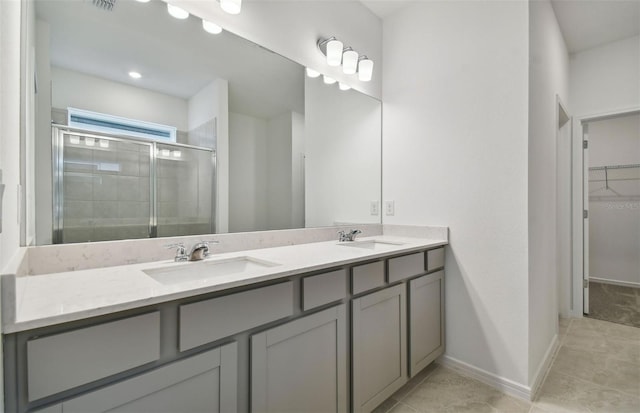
(322, 326)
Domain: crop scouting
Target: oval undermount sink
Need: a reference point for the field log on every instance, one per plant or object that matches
(208, 269)
(372, 244)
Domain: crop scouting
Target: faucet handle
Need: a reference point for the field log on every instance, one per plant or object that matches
(206, 243)
(181, 251)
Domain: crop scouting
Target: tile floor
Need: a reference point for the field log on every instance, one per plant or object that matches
(614, 303)
(596, 369)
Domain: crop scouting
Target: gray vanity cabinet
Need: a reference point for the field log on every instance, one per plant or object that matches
(205, 382)
(426, 325)
(379, 325)
(301, 366)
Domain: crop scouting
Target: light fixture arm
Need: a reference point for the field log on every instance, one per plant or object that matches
(322, 44)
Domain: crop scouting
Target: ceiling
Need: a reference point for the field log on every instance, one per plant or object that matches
(584, 23)
(175, 57)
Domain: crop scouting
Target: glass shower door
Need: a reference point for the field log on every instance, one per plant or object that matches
(103, 188)
(185, 179)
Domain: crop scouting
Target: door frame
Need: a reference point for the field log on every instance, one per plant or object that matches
(579, 237)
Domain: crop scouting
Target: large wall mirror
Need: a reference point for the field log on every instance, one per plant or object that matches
(216, 134)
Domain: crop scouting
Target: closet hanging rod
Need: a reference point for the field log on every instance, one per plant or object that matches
(602, 168)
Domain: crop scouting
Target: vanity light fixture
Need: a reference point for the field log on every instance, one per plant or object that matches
(312, 73)
(328, 80)
(143, 1)
(74, 139)
(349, 61)
(352, 62)
(176, 154)
(343, 86)
(211, 27)
(104, 143)
(165, 152)
(365, 69)
(135, 75)
(89, 141)
(177, 12)
(231, 6)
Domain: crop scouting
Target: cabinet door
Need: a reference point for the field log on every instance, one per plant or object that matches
(206, 382)
(379, 346)
(426, 315)
(301, 366)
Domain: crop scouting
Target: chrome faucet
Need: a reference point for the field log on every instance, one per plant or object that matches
(348, 236)
(198, 252)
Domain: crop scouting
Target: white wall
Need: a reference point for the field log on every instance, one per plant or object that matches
(292, 28)
(342, 146)
(279, 167)
(614, 221)
(9, 138)
(455, 154)
(606, 78)
(297, 170)
(548, 78)
(78, 90)
(247, 173)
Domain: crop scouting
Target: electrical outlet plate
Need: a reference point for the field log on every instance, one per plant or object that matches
(374, 207)
(389, 208)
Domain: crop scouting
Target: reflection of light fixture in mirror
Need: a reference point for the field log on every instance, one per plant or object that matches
(312, 73)
(231, 6)
(142, 1)
(211, 27)
(104, 143)
(328, 80)
(176, 154)
(165, 152)
(74, 139)
(343, 86)
(89, 141)
(177, 12)
(135, 75)
(365, 69)
(349, 61)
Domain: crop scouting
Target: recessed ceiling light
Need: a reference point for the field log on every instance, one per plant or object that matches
(177, 12)
(211, 27)
(312, 73)
(135, 75)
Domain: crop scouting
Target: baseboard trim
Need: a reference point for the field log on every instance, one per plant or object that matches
(503, 384)
(615, 282)
(543, 367)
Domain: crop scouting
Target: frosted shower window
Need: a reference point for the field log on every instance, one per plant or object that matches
(104, 123)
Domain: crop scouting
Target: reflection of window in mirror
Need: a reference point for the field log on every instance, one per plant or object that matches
(105, 123)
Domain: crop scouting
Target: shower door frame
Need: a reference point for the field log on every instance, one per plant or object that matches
(57, 138)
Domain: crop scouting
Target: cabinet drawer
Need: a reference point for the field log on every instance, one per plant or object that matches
(367, 277)
(435, 259)
(211, 320)
(66, 360)
(405, 267)
(323, 289)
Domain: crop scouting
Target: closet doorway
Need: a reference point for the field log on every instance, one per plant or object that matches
(612, 223)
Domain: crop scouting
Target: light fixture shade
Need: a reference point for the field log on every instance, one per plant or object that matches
(211, 27)
(231, 6)
(349, 62)
(104, 143)
(142, 1)
(334, 52)
(312, 73)
(365, 69)
(135, 75)
(177, 12)
(343, 86)
(328, 80)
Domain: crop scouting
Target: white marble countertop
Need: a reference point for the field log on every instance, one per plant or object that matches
(43, 300)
